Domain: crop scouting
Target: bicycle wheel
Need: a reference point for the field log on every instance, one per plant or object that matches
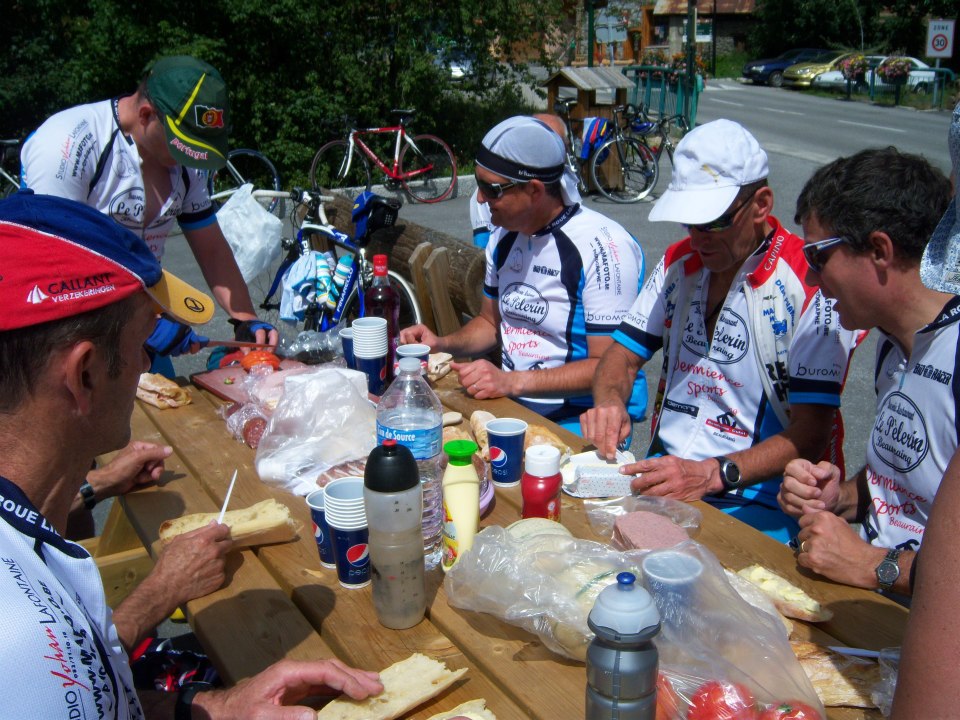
(624, 172)
(248, 166)
(329, 170)
(435, 167)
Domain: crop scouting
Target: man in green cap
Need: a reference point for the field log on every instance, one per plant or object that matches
(142, 159)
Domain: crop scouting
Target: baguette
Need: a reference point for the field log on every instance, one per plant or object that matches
(161, 392)
(438, 365)
(406, 684)
(478, 423)
(789, 599)
(265, 523)
(471, 710)
(840, 681)
(541, 435)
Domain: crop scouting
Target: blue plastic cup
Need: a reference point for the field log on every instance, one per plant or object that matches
(506, 450)
(321, 531)
(352, 555)
(376, 371)
(346, 340)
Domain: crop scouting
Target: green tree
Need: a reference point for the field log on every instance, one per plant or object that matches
(784, 24)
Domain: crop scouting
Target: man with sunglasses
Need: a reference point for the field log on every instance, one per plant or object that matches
(866, 220)
(559, 279)
(753, 356)
(143, 160)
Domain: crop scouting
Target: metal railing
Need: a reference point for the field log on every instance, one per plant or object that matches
(662, 90)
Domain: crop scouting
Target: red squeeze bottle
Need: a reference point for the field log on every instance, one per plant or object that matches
(382, 300)
(541, 482)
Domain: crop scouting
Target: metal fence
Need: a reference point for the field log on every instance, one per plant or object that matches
(662, 90)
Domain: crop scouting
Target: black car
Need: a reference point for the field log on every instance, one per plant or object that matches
(770, 71)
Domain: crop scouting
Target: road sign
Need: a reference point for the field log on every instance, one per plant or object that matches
(940, 39)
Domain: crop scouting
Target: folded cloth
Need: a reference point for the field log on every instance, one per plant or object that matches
(309, 278)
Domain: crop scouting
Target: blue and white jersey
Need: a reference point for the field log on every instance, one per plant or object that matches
(576, 277)
(916, 430)
(62, 656)
(81, 154)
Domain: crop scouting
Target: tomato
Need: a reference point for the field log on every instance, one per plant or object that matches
(716, 700)
(790, 710)
(259, 357)
(668, 703)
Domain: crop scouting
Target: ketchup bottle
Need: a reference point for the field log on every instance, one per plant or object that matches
(540, 483)
(381, 300)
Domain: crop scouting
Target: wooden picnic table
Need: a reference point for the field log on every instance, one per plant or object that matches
(279, 602)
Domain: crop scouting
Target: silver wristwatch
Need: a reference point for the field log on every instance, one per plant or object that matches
(889, 570)
(729, 473)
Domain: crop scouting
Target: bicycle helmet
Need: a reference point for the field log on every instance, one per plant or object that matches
(372, 212)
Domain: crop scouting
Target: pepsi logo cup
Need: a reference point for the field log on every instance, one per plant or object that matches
(506, 437)
(415, 350)
(376, 371)
(321, 531)
(352, 556)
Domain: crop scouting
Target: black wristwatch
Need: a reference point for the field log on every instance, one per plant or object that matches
(88, 495)
(889, 569)
(182, 711)
(729, 474)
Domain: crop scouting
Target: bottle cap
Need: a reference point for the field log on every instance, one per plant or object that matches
(409, 364)
(460, 452)
(391, 468)
(624, 611)
(380, 265)
(541, 460)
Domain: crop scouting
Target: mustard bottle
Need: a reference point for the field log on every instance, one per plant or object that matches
(461, 501)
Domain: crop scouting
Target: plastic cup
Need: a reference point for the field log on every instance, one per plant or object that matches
(346, 340)
(672, 579)
(375, 369)
(415, 350)
(506, 450)
(321, 531)
(368, 330)
(351, 554)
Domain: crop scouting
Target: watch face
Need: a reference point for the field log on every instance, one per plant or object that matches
(888, 572)
(729, 473)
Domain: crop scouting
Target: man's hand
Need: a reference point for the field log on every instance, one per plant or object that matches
(420, 334)
(676, 478)
(606, 426)
(172, 338)
(809, 488)
(484, 380)
(270, 694)
(192, 565)
(830, 547)
(139, 463)
(255, 330)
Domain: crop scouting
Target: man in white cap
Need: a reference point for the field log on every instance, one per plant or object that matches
(559, 279)
(865, 239)
(753, 356)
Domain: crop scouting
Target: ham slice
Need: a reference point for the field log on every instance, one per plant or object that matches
(641, 530)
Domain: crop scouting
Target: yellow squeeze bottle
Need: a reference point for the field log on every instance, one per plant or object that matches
(461, 501)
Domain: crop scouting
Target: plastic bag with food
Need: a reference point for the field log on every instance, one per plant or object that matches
(323, 419)
(628, 520)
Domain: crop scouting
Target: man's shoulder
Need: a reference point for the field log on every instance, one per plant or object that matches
(75, 119)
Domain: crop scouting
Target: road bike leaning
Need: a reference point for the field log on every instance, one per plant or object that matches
(247, 166)
(423, 165)
(657, 135)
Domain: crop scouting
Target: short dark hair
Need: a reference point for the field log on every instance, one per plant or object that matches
(880, 189)
(553, 189)
(24, 352)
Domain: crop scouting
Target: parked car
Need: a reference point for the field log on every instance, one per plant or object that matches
(920, 79)
(770, 71)
(802, 74)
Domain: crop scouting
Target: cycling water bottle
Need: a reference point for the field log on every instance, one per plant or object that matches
(381, 300)
(410, 413)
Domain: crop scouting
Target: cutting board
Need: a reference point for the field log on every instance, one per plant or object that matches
(218, 381)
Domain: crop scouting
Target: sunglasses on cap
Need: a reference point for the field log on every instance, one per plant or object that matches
(816, 253)
(495, 191)
(725, 221)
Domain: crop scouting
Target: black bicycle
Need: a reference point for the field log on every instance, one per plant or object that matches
(657, 136)
(247, 166)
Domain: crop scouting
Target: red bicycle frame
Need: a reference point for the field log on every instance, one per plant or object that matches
(394, 172)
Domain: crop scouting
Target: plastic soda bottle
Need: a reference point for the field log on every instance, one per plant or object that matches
(461, 501)
(410, 413)
(381, 300)
(541, 482)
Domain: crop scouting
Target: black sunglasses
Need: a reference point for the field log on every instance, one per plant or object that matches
(725, 221)
(495, 191)
(816, 253)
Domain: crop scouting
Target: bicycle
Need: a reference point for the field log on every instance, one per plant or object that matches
(310, 219)
(423, 165)
(9, 169)
(643, 128)
(573, 144)
(247, 166)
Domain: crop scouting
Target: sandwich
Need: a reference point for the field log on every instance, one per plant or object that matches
(161, 392)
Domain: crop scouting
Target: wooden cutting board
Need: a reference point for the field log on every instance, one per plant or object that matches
(218, 381)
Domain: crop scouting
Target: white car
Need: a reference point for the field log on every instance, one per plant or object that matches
(920, 79)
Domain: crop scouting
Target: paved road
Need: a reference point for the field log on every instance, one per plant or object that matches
(799, 132)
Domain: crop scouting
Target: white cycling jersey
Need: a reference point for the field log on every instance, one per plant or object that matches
(62, 657)
(576, 277)
(915, 432)
(80, 153)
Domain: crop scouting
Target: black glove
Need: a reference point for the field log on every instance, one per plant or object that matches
(245, 330)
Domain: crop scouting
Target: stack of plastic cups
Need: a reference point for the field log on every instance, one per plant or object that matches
(370, 351)
(346, 342)
(347, 519)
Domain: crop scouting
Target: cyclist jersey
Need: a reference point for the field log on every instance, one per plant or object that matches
(575, 278)
(62, 650)
(776, 341)
(916, 430)
(80, 153)
(480, 221)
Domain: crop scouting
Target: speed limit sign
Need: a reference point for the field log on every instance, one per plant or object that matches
(940, 39)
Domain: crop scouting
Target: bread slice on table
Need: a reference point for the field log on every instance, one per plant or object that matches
(265, 523)
(406, 684)
(472, 710)
(161, 392)
(478, 423)
(789, 599)
(840, 680)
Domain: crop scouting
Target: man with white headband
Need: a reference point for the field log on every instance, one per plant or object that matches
(560, 278)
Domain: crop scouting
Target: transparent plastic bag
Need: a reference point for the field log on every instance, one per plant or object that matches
(251, 231)
(323, 419)
(602, 514)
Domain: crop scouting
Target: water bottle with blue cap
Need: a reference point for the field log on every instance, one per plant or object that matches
(622, 659)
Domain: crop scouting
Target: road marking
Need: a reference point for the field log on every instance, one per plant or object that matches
(782, 112)
(875, 127)
(726, 102)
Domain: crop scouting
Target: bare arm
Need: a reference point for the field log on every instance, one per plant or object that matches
(607, 422)
(477, 337)
(219, 268)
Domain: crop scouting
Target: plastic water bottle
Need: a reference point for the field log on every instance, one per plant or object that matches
(622, 659)
(410, 413)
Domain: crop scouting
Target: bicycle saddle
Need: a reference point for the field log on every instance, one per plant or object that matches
(404, 115)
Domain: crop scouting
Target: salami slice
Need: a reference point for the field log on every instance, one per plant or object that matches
(253, 430)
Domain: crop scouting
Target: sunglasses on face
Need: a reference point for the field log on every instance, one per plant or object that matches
(816, 253)
(725, 221)
(495, 191)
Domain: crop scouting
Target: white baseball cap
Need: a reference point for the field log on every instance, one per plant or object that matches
(711, 163)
